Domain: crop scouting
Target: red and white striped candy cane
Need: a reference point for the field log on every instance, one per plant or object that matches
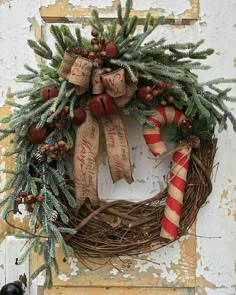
(179, 168)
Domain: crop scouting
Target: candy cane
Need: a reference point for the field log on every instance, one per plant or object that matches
(179, 168)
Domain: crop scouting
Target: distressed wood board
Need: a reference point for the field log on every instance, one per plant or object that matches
(117, 291)
(184, 12)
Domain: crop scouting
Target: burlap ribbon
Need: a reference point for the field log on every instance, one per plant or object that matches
(80, 72)
(117, 149)
(86, 152)
(85, 166)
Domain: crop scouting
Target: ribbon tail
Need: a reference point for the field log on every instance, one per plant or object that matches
(85, 165)
(117, 149)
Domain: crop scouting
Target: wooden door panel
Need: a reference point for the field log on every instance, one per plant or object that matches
(173, 266)
(159, 272)
(69, 11)
(117, 291)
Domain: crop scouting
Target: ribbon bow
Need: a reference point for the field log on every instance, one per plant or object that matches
(80, 72)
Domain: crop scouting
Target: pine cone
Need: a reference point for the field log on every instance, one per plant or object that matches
(194, 141)
(53, 216)
(40, 157)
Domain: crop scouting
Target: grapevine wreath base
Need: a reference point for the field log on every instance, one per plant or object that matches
(76, 101)
(125, 228)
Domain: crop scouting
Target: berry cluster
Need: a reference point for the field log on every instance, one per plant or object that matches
(59, 149)
(101, 49)
(149, 92)
(63, 115)
(29, 200)
(186, 124)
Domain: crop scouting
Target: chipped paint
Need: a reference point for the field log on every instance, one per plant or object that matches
(67, 10)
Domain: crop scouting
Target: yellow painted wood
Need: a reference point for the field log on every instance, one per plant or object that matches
(125, 272)
(116, 291)
(64, 11)
(7, 163)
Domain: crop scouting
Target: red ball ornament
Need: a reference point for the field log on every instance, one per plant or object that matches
(79, 116)
(102, 105)
(49, 92)
(111, 49)
(37, 135)
(142, 92)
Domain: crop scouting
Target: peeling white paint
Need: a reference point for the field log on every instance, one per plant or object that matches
(63, 277)
(96, 3)
(73, 266)
(168, 6)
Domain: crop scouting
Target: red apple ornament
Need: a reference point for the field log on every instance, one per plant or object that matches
(102, 105)
(37, 135)
(111, 49)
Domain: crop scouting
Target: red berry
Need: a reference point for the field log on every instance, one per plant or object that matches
(51, 149)
(66, 110)
(85, 52)
(58, 125)
(185, 122)
(163, 103)
(78, 50)
(96, 48)
(94, 33)
(102, 40)
(103, 54)
(149, 97)
(190, 126)
(171, 99)
(39, 198)
(111, 49)
(66, 147)
(148, 89)
(29, 199)
(79, 116)
(94, 41)
(62, 153)
(102, 105)
(91, 55)
(30, 208)
(61, 143)
(160, 84)
(22, 193)
(18, 200)
(142, 92)
(53, 156)
(168, 86)
(37, 135)
(155, 92)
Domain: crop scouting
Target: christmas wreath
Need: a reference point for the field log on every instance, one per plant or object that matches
(81, 94)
